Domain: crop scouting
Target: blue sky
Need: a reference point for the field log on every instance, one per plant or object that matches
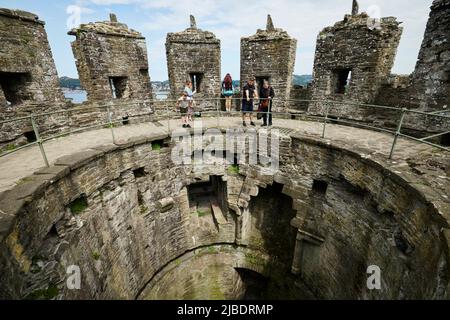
(229, 20)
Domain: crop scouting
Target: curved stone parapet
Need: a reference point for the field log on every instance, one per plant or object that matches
(131, 221)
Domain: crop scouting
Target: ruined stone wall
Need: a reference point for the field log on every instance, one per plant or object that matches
(27, 70)
(66, 117)
(431, 78)
(194, 52)
(269, 54)
(299, 93)
(111, 57)
(336, 209)
(352, 61)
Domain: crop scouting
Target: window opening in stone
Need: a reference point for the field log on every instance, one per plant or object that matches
(139, 173)
(196, 79)
(343, 78)
(320, 186)
(30, 136)
(207, 196)
(14, 87)
(254, 285)
(119, 87)
(143, 72)
(260, 81)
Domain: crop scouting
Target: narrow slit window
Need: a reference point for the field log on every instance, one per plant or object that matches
(119, 87)
(196, 79)
(343, 78)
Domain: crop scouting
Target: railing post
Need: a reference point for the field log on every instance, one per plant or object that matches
(111, 125)
(168, 118)
(39, 140)
(218, 112)
(398, 132)
(325, 120)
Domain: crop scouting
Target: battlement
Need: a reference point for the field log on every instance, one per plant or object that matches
(20, 15)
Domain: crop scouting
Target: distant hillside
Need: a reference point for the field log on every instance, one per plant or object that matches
(301, 80)
(70, 83)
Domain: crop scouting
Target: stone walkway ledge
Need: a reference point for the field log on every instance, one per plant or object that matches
(23, 178)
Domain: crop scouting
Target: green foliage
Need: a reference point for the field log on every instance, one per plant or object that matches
(78, 205)
(66, 82)
(302, 80)
(95, 255)
(156, 146)
(143, 209)
(44, 294)
(201, 213)
(11, 147)
(233, 169)
(212, 250)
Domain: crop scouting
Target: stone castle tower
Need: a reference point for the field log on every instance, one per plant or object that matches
(353, 58)
(194, 54)
(431, 78)
(269, 54)
(112, 61)
(27, 69)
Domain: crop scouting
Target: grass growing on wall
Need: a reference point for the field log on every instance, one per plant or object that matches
(44, 294)
(95, 255)
(156, 146)
(201, 213)
(233, 169)
(78, 205)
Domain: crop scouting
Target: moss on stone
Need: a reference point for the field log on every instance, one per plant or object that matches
(156, 146)
(201, 213)
(233, 169)
(44, 294)
(78, 205)
(10, 147)
(95, 255)
(143, 209)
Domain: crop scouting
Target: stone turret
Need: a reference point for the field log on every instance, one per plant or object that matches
(355, 8)
(112, 61)
(194, 54)
(269, 54)
(431, 78)
(27, 69)
(193, 22)
(353, 59)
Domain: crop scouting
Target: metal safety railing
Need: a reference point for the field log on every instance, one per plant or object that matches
(212, 106)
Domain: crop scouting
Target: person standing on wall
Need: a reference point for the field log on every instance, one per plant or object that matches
(266, 95)
(228, 91)
(190, 95)
(248, 94)
(183, 104)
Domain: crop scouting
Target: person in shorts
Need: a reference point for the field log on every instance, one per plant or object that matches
(248, 94)
(183, 104)
(190, 94)
(228, 91)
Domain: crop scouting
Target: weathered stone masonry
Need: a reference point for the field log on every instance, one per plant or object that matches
(194, 54)
(353, 59)
(112, 61)
(269, 54)
(133, 230)
(27, 70)
(431, 78)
